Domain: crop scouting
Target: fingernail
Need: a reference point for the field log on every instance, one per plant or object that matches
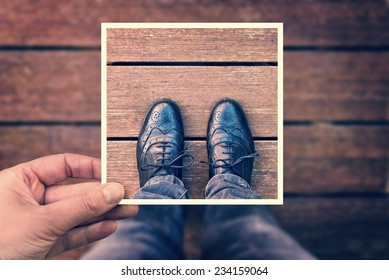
(113, 192)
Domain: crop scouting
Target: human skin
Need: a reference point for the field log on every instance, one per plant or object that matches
(40, 218)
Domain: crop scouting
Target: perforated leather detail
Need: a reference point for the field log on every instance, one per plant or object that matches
(230, 140)
(161, 140)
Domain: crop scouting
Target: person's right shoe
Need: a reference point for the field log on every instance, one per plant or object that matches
(230, 143)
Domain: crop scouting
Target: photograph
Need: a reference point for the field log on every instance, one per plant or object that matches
(192, 113)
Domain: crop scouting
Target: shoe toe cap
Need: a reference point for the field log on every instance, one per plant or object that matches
(229, 115)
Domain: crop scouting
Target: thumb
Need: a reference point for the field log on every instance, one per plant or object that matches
(72, 211)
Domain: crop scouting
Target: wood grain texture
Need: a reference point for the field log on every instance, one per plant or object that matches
(328, 175)
(317, 160)
(196, 45)
(323, 23)
(318, 141)
(65, 86)
(132, 90)
(50, 86)
(24, 143)
(338, 228)
(336, 86)
(121, 167)
(330, 159)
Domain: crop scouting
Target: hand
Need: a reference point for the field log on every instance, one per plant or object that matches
(39, 219)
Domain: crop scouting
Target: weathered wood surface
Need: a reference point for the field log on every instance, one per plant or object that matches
(197, 45)
(336, 86)
(65, 86)
(354, 142)
(317, 159)
(122, 168)
(132, 90)
(50, 86)
(23, 143)
(330, 159)
(77, 23)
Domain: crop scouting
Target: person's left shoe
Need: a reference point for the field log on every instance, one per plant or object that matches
(230, 143)
(160, 148)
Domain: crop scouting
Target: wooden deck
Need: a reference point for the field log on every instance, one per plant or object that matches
(131, 89)
(335, 103)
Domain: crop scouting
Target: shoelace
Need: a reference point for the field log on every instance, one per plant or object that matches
(224, 164)
(169, 163)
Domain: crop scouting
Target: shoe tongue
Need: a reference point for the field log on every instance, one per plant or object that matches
(223, 159)
(226, 152)
(161, 152)
(221, 152)
(162, 172)
(155, 157)
(222, 156)
(225, 149)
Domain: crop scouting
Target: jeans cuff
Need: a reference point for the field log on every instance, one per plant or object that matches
(163, 187)
(165, 179)
(229, 186)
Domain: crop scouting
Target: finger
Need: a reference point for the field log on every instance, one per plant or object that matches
(55, 168)
(118, 213)
(82, 236)
(59, 192)
(72, 211)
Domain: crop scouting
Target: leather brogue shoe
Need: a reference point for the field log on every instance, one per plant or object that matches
(160, 148)
(230, 143)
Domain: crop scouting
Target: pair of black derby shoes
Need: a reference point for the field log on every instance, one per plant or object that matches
(160, 148)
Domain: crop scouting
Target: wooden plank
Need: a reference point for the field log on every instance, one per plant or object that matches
(338, 228)
(132, 90)
(214, 44)
(24, 143)
(65, 86)
(317, 160)
(329, 159)
(336, 86)
(121, 167)
(329, 141)
(335, 175)
(50, 86)
(323, 23)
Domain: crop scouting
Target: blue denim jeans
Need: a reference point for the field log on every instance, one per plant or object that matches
(221, 186)
(229, 232)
